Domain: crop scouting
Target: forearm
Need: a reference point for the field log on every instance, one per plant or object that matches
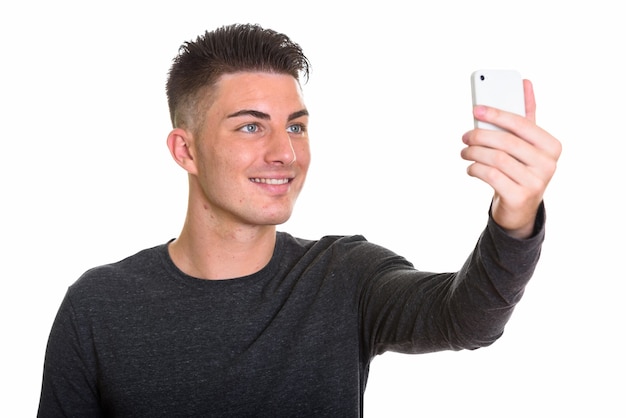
(415, 312)
(493, 280)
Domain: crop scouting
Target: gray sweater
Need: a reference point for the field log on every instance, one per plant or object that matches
(139, 338)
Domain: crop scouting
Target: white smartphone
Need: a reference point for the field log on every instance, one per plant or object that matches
(502, 89)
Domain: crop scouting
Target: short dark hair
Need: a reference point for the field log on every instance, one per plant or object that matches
(226, 50)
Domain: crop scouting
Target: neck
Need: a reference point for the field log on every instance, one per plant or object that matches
(216, 252)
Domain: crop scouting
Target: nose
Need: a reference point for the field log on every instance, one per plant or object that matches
(280, 150)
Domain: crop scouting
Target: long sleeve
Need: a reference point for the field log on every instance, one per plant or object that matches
(69, 380)
(411, 311)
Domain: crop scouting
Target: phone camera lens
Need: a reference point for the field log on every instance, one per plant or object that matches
(482, 78)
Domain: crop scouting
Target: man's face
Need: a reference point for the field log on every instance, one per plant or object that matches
(252, 153)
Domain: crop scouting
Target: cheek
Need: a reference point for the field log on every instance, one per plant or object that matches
(222, 159)
(214, 168)
(303, 153)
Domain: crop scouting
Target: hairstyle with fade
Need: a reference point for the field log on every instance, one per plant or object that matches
(226, 50)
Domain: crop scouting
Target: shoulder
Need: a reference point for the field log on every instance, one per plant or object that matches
(345, 248)
(128, 272)
(289, 243)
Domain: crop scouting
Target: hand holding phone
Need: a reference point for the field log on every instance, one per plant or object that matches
(502, 89)
(519, 167)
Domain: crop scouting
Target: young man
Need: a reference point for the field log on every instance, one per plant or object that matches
(234, 319)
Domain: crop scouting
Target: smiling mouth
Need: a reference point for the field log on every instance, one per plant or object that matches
(270, 181)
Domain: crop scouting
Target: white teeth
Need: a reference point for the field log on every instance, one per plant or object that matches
(270, 181)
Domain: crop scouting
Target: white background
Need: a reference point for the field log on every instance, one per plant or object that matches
(86, 178)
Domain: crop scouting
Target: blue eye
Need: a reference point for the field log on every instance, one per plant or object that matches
(250, 128)
(296, 129)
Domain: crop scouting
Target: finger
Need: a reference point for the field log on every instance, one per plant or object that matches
(519, 126)
(501, 162)
(507, 143)
(501, 184)
(529, 100)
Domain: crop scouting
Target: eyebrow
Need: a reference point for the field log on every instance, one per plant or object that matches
(262, 115)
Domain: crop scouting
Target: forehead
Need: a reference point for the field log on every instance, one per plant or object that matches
(258, 90)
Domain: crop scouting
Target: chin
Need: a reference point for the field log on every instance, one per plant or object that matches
(278, 220)
(274, 213)
(275, 218)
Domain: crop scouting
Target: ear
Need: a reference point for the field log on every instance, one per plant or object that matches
(179, 143)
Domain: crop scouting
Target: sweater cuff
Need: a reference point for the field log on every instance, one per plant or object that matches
(538, 230)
